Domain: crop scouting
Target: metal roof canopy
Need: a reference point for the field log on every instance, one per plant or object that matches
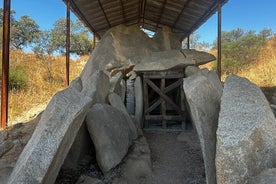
(182, 16)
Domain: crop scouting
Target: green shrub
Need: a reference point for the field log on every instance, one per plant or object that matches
(17, 79)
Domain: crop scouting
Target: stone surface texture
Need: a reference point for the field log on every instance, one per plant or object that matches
(88, 180)
(55, 133)
(45, 152)
(116, 101)
(137, 164)
(119, 50)
(111, 133)
(138, 91)
(190, 70)
(246, 135)
(203, 99)
(115, 83)
(266, 177)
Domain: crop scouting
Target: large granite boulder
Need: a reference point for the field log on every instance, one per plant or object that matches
(95, 86)
(120, 46)
(55, 133)
(45, 152)
(138, 91)
(203, 99)
(111, 133)
(172, 59)
(246, 134)
(165, 60)
(199, 57)
(266, 177)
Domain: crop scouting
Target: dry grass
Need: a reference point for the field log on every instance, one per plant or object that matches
(262, 72)
(42, 85)
(45, 78)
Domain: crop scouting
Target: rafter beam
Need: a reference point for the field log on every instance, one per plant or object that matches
(181, 12)
(101, 6)
(161, 14)
(123, 11)
(82, 17)
(207, 14)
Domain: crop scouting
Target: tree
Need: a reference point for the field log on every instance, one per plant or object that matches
(25, 32)
(240, 48)
(44, 49)
(194, 42)
(80, 42)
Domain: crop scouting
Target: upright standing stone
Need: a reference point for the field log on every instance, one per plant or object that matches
(111, 134)
(138, 91)
(246, 135)
(45, 152)
(203, 99)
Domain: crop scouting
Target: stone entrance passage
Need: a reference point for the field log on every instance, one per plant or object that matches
(164, 100)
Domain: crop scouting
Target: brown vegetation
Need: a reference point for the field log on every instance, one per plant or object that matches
(44, 79)
(262, 71)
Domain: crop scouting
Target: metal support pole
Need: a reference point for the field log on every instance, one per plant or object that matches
(188, 42)
(5, 64)
(94, 41)
(219, 41)
(67, 42)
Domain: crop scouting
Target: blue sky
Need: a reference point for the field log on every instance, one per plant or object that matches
(245, 14)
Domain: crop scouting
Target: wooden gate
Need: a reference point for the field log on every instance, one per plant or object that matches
(164, 99)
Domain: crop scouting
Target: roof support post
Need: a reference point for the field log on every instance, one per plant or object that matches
(188, 42)
(67, 42)
(5, 64)
(219, 41)
(94, 41)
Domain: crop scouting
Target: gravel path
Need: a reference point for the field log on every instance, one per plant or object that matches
(176, 158)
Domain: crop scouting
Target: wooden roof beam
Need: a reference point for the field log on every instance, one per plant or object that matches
(82, 17)
(161, 14)
(181, 12)
(123, 11)
(101, 6)
(207, 13)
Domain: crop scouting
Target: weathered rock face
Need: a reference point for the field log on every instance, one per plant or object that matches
(246, 135)
(203, 99)
(119, 47)
(123, 47)
(116, 101)
(96, 86)
(198, 57)
(117, 86)
(266, 177)
(5, 171)
(190, 70)
(138, 91)
(160, 61)
(137, 164)
(44, 154)
(111, 133)
(172, 59)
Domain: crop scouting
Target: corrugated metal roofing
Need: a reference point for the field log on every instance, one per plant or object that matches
(183, 16)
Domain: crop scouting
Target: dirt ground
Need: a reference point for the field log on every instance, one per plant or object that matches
(176, 158)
